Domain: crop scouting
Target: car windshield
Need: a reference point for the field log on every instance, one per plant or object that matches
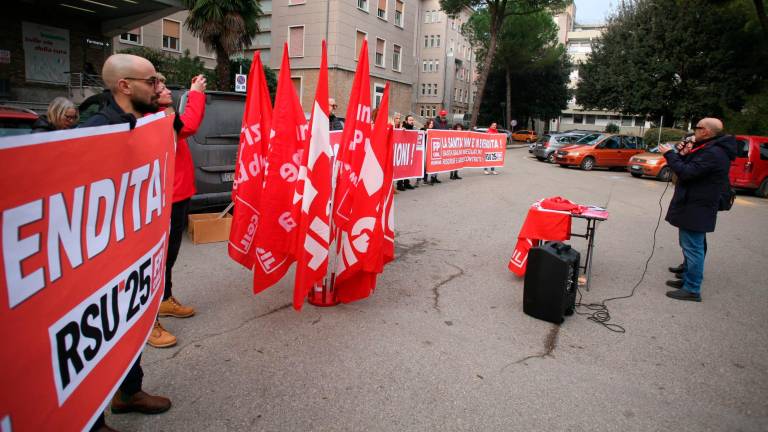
(543, 138)
(589, 139)
(15, 127)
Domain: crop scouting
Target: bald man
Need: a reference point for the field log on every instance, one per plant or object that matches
(702, 181)
(133, 90)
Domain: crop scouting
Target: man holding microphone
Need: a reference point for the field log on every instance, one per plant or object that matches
(702, 171)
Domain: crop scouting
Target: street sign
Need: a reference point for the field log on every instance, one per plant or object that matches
(240, 81)
(513, 123)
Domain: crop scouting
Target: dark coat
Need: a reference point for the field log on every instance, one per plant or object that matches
(441, 124)
(42, 125)
(110, 113)
(334, 123)
(702, 176)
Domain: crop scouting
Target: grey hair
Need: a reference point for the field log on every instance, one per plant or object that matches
(58, 108)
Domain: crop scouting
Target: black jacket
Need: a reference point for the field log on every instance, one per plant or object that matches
(110, 113)
(42, 125)
(334, 123)
(702, 176)
(441, 124)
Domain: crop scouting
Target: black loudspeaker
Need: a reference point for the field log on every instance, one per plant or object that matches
(551, 279)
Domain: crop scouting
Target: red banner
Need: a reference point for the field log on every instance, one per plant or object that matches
(408, 154)
(85, 216)
(449, 150)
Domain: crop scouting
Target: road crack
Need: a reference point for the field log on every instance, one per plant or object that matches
(436, 288)
(213, 335)
(550, 343)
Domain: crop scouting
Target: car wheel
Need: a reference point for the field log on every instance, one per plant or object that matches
(638, 175)
(551, 158)
(762, 191)
(588, 163)
(665, 174)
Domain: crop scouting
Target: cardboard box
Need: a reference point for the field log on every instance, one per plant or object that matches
(209, 227)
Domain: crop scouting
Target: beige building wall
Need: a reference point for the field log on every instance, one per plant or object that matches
(446, 68)
(339, 21)
(151, 36)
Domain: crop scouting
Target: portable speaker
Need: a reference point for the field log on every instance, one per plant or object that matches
(551, 279)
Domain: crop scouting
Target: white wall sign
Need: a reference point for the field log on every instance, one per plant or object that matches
(46, 53)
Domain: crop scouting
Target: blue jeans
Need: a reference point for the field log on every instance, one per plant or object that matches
(694, 244)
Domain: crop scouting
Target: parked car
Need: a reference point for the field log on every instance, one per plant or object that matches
(16, 121)
(750, 168)
(651, 164)
(544, 149)
(524, 135)
(600, 150)
(214, 147)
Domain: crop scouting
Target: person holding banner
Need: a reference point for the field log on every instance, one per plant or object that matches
(433, 180)
(491, 129)
(455, 173)
(406, 183)
(133, 85)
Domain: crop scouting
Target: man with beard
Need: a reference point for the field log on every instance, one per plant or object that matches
(133, 92)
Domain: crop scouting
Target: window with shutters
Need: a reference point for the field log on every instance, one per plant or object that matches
(423, 89)
(297, 85)
(132, 37)
(399, 8)
(381, 46)
(437, 65)
(171, 35)
(296, 41)
(362, 4)
(381, 10)
(396, 50)
(432, 41)
(435, 16)
(360, 37)
(427, 17)
(378, 94)
(423, 65)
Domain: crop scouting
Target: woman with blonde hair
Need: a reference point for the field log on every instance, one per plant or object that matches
(62, 114)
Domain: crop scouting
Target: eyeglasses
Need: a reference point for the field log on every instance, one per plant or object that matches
(152, 81)
(698, 127)
(71, 117)
(334, 106)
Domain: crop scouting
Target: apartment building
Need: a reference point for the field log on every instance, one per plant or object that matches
(167, 35)
(578, 39)
(389, 25)
(446, 69)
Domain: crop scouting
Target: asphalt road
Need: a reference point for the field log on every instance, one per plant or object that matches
(443, 344)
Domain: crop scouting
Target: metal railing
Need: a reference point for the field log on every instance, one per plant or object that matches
(79, 81)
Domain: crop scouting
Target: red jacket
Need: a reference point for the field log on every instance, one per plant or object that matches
(184, 179)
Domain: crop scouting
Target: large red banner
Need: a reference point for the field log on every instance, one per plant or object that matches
(408, 154)
(449, 150)
(85, 216)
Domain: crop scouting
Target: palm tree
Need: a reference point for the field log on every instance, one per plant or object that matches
(225, 27)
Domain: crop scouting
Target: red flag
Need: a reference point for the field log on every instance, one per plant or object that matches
(313, 196)
(277, 226)
(249, 168)
(361, 239)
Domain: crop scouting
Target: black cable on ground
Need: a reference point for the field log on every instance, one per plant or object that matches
(598, 312)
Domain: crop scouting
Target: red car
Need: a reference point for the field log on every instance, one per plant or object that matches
(16, 121)
(750, 168)
(600, 150)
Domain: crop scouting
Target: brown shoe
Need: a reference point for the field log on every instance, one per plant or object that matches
(139, 402)
(160, 337)
(171, 307)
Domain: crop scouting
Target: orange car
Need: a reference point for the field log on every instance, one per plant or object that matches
(528, 136)
(600, 150)
(651, 163)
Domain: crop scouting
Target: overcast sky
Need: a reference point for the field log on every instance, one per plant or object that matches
(593, 11)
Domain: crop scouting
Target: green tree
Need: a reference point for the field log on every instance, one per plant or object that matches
(681, 59)
(183, 69)
(226, 27)
(158, 58)
(529, 56)
(498, 12)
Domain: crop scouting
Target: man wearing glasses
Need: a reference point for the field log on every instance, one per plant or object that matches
(702, 177)
(133, 93)
(333, 122)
